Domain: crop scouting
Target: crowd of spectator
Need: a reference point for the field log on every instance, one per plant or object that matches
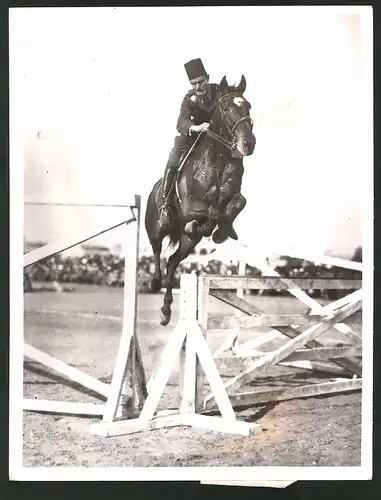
(108, 270)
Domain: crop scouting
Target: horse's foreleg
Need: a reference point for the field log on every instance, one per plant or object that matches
(233, 208)
(186, 245)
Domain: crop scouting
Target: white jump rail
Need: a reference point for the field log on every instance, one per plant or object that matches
(128, 356)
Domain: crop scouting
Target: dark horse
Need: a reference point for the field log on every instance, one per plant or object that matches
(208, 198)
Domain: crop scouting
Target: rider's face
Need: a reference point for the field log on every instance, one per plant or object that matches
(200, 85)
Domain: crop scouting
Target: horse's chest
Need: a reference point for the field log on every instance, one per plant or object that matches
(206, 173)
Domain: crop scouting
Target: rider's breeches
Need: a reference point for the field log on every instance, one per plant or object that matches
(181, 143)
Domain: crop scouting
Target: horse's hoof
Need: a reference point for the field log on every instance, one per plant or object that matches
(155, 285)
(191, 227)
(219, 237)
(233, 235)
(165, 318)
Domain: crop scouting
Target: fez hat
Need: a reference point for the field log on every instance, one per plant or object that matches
(195, 69)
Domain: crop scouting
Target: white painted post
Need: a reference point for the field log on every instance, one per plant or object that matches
(129, 317)
(202, 320)
(188, 365)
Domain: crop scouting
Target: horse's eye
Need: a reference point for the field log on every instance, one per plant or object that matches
(225, 105)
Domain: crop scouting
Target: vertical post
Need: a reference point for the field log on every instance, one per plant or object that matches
(132, 265)
(237, 312)
(188, 313)
(129, 316)
(202, 319)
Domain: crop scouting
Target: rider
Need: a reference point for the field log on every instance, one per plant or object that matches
(195, 114)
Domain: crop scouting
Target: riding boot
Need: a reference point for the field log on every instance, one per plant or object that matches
(165, 217)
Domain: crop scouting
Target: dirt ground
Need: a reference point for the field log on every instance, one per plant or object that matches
(83, 328)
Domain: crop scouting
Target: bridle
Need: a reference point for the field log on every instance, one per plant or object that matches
(230, 144)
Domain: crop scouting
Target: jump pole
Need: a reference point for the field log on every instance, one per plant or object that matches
(128, 355)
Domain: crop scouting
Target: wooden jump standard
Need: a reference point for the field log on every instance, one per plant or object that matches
(128, 360)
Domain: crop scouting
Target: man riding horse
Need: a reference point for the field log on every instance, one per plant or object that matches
(195, 114)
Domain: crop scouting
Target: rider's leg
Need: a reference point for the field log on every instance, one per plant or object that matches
(181, 143)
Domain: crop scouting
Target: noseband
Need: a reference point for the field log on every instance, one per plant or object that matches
(230, 144)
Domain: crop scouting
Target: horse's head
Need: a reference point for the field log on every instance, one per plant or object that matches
(235, 116)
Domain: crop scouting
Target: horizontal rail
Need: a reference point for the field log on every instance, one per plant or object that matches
(130, 201)
(47, 406)
(62, 244)
(230, 322)
(316, 354)
(272, 320)
(90, 205)
(283, 394)
(279, 283)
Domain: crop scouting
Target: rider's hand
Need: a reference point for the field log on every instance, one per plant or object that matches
(199, 128)
(204, 127)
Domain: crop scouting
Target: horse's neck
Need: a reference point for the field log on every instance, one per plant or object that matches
(217, 149)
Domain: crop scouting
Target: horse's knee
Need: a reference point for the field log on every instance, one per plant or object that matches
(226, 191)
(240, 201)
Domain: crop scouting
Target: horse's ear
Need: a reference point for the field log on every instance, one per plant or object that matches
(242, 85)
(223, 85)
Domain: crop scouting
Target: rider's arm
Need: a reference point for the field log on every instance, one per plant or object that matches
(185, 121)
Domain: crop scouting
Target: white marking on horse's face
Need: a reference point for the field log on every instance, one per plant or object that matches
(238, 101)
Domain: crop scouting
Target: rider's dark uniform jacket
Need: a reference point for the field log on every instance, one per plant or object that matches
(196, 109)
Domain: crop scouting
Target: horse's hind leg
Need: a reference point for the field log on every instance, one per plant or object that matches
(186, 245)
(157, 276)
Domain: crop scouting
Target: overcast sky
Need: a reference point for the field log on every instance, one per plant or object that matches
(101, 90)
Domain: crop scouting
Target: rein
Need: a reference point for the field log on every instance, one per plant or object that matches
(230, 144)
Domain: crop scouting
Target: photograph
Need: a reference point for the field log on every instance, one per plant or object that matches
(191, 243)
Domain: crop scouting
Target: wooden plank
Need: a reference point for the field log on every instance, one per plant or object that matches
(316, 354)
(318, 366)
(47, 406)
(122, 427)
(283, 394)
(291, 332)
(129, 200)
(68, 371)
(324, 353)
(282, 352)
(279, 283)
(218, 424)
(64, 243)
(247, 322)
